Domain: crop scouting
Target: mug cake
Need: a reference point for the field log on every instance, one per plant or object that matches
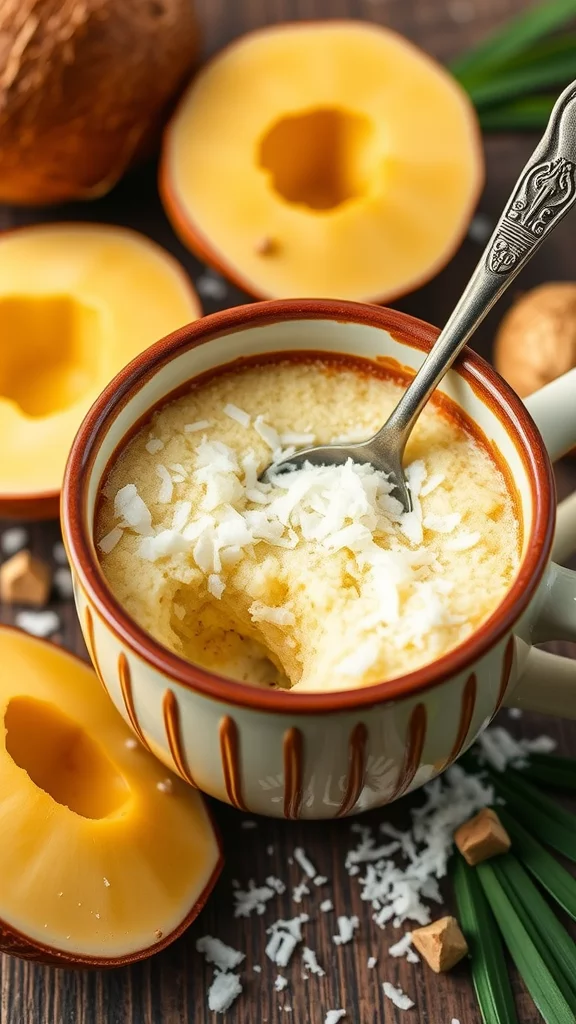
(316, 580)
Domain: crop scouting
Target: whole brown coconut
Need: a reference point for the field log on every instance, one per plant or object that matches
(84, 88)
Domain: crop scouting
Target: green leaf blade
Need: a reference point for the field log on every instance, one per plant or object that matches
(489, 974)
(552, 941)
(518, 34)
(551, 770)
(537, 977)
(501, 88)
(552, 876)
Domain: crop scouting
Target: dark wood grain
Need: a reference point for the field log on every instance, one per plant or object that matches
(171, 988)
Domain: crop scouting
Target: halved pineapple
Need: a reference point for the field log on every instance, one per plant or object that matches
(104, 858)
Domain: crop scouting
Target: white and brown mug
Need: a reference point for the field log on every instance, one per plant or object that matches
(324, 755)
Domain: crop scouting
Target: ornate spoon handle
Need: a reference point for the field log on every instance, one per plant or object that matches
(543, 194)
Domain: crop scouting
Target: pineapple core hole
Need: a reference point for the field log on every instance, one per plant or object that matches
(49, 352)
(318, 158)
(62, 759)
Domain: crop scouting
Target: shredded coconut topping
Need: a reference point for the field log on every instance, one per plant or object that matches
(310, 961)
(333, 1016)
(216, 952)
(41, 624)
(500, 749)
(110, 540)
(223, 991)
(239, 415)
(13, 540)
(346, 928)
(154, 445)
(194, 428)
(252, 899)
(299, 891)
(397, 996)
(304, 862)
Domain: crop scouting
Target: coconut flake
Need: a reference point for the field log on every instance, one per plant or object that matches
(397, 996)
(40, 624)
(299, 891)
(293, 437)
(463, 541)
(280, 983)
(260, 612)
(205, 553)
(276, 883)
(442, 524)
(162, 545)
(284, 937)
(193, 428)
(182, 513)
(411, 527)
(500, 749)
(129, 507)
(223, 991)
(236, 414)
(13, 540)
(154, 445)
(110, 540)
(310, 962)
(333, 1016)
(326, 905)
(216, 952)
(59, 553)
(404, 948)
(211, 285)
(346, 928)
(254, 898)
(166, 487)
(372, 961)
(304, 862)
(216, 587)
(267, 433)
(63, 582)
(431, 484)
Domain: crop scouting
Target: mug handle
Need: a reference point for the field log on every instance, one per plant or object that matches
(547, 682)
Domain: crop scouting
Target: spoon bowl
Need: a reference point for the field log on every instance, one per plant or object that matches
(383, 456)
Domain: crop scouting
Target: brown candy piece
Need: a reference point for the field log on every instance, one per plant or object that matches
(25, 580)
(441, 944)
(482, 837)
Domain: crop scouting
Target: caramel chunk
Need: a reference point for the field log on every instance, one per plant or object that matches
(482, 837)
(441, 943)
(25, 580)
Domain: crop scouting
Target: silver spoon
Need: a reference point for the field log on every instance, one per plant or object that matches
(544, 192)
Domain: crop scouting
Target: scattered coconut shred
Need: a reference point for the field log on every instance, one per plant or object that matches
(398, 879)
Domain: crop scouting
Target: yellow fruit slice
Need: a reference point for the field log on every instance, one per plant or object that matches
(323, 158)
(77, 302)
(99, 863)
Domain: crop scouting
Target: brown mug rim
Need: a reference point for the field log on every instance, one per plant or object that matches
(486, 383)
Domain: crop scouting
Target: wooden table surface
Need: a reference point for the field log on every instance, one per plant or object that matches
(172, 987)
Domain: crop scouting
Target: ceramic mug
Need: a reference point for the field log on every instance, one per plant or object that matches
(324, 755)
